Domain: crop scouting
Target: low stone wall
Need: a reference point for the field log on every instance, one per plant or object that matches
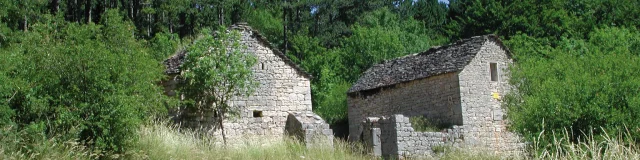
(436, 97)
(419, 144)
(309, 128)
(393, 137)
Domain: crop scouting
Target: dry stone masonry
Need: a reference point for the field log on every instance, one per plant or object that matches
(283, 87)
(394, 137)
(458, 85)
(431, 98)
(309, 128)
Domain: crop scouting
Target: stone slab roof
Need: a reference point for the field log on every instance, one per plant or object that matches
(435, 61)
(173, 63)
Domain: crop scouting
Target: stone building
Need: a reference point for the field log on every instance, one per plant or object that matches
(283, 94)
(457, 85)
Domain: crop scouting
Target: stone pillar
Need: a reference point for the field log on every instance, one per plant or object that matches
(389, 136)
(371, 136)
(375, 142)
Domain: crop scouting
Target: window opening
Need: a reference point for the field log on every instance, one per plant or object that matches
(257, 113)
(494, 71)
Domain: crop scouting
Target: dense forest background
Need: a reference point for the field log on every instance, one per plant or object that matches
(90, 68)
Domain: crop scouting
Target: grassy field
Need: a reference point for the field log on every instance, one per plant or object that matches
(161, 141)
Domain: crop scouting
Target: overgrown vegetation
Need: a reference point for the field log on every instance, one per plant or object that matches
(578, 85)
(86, 72)
(440, 149)
(160, 140)
(560, 145)
(423, 124)
(91, 83)
(216, 70)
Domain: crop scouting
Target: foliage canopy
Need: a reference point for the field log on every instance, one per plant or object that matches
(94, 82)
(89, 68)
(215, 70)
(581, 85)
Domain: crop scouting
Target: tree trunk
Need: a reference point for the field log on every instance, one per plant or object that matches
(317, 22)
(25, 23)
(87, 10)
(55, 6)
(220, 118)
(149, 25)
(76, 12)
(220, 15)
(131, 9)
(284, 26)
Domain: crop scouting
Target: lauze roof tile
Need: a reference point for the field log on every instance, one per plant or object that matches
(435, 61)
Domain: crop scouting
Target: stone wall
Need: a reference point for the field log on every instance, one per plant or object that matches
(483, 117)
(394, 137)
(437, 98)
(309, 128)
(468, 97)
(282, 88)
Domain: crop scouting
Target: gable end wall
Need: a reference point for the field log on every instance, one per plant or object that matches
(281, 89)
(483, 117)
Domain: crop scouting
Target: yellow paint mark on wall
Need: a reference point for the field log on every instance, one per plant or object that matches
(495, 95)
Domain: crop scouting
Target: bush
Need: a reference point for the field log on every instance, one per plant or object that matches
(163, 45)
(91, 83)
(578, 85)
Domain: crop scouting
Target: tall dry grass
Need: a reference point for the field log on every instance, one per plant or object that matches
(468, 153)
(162, 141)
(21, 145)
(604, 147)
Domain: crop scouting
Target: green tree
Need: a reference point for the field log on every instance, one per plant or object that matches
(163, 45)
(94, 83)
(580, 86)
(432, 13)
(215, 70)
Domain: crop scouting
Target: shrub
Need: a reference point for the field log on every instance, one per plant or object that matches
(92, 83)
(578, 85)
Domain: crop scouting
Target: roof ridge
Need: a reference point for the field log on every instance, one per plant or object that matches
(276, 51)
(178, 56)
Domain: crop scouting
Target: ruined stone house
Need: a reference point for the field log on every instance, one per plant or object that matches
(459, 85)
(283, 95)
